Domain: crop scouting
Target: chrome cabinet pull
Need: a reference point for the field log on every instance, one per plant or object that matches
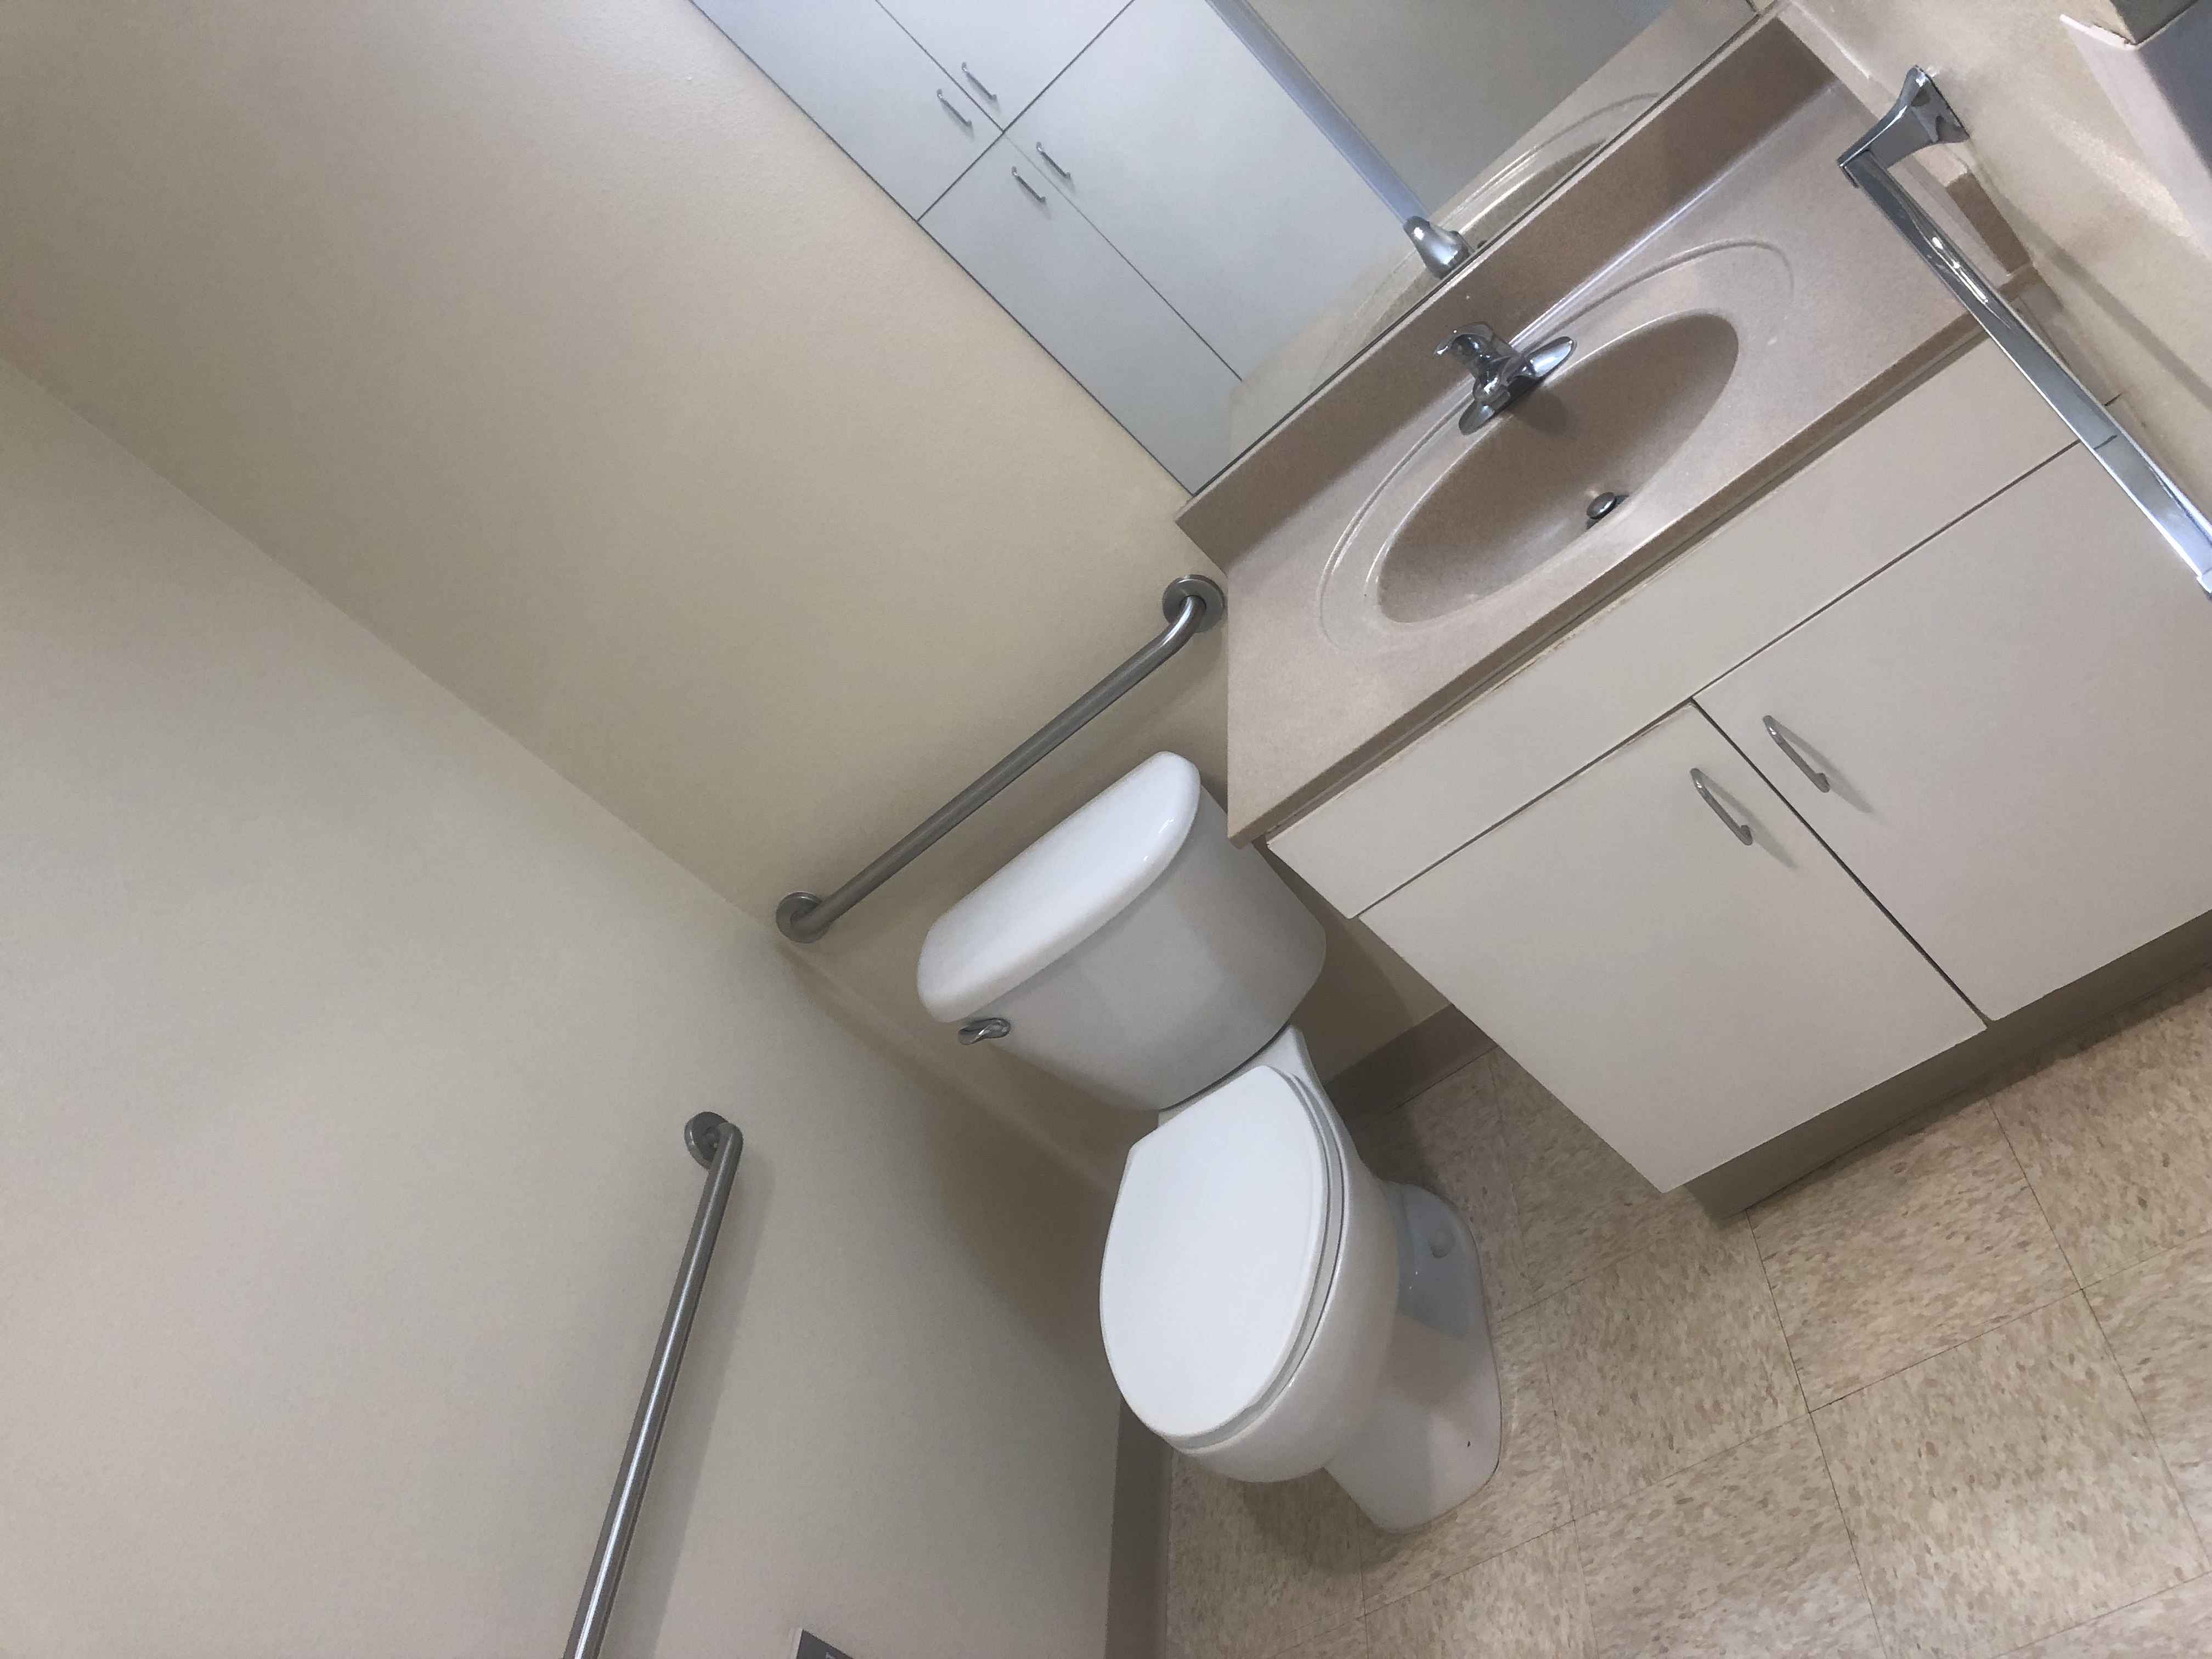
(990, 97)
(1818, 779)
(1741, 831)
(1027, 189)
(953, 110)
(1046, 156)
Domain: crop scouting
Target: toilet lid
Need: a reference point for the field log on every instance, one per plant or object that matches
(1219, 1253)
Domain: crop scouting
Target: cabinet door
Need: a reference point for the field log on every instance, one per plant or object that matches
(867, 84)
(1685, 994)
(2011, 723)
(1063, 282)
(1006, 50)
(1187, 155)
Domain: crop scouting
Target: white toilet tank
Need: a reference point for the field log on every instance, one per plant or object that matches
(1132, 950)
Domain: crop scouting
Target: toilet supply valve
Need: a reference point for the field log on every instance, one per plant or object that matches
(989, 1030)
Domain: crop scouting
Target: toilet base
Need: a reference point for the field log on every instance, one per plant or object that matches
(1432, 1437)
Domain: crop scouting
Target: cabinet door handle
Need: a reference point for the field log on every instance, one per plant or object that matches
(1046, 156)
(1741, 831)
(990, 96)
(953, 110)
(1029, 189)
(1818, 779)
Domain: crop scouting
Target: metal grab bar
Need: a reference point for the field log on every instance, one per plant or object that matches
(1921, 116)
(716, 1143)
(1191, 605)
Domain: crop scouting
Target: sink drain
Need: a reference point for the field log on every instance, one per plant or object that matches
(1602, 505)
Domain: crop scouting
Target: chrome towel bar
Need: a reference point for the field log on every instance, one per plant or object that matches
(1191, 605)
(1921, 116)
(716, 1142)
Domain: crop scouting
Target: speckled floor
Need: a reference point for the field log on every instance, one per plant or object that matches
(1949, 1396)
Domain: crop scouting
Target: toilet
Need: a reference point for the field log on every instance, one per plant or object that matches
(1269, 1307)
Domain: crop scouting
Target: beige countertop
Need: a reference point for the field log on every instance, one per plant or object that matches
(1726, 203)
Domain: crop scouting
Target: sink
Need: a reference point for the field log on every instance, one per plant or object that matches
(1462, 519)
(1605, 424)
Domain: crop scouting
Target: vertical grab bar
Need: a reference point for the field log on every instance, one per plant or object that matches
(716, 1143)
(1921, 116)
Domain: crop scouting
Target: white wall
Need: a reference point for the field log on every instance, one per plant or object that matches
(555, 345)
(342, 1052)
(1443, 86)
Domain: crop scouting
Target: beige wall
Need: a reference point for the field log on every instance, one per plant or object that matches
(2132, 283)
(342, 1052)
(554, 344)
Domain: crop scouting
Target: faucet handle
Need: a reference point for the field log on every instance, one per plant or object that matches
(1481, 349)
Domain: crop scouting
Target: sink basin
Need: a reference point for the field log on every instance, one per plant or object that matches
(1471, 531)
(1519, 492)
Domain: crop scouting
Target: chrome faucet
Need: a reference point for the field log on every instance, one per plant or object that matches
(1503, 376)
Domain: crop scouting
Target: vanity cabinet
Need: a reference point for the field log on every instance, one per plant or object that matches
(1687, 993)
(887, 103)
(1087, 306)
(2011, 722)
(1006, 52)
(1958, 622)
(1173, 140)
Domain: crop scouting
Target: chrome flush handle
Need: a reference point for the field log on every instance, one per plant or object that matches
(1818, 779)
(1741, 831)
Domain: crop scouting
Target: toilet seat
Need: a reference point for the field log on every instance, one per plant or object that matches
(1223, 1251)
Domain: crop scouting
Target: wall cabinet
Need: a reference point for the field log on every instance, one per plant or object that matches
(1193, 205)
(1007, 52)
(2011, 722)
(1689, 994)
(1085, 303)
(1188, 158)
(865, 83)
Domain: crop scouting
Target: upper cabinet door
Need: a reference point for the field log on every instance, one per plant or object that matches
(1686, 992)
(848, 64)
(1007, 52)
(1183, 151)
(2011, 723)
(1081, 301)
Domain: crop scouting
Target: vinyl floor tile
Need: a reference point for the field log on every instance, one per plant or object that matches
(2117, 1140)
(1923, 1241)
(1350, 1642)
(1524, 1604)
(1461, 1130)
(2158, 1317)
(2005, 1491)
(1527, 1496)
(1582, 1207)
(2174, 1625)
(1743, 1557)
(1255, 1570)
(1447, 1140)
(1666, 1358)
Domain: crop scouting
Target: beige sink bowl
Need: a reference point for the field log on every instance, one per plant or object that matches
(1466, 523)
(1604, 424)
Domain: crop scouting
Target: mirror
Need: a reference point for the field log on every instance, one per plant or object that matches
(1203, 209)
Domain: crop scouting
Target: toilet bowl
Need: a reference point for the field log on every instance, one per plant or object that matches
(1269, 1307)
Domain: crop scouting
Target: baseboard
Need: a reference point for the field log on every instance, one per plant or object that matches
(1137, 1568)
(1408, 1063)
(2067, 1019)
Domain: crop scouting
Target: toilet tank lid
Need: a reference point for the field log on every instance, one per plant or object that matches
(1067, 886)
